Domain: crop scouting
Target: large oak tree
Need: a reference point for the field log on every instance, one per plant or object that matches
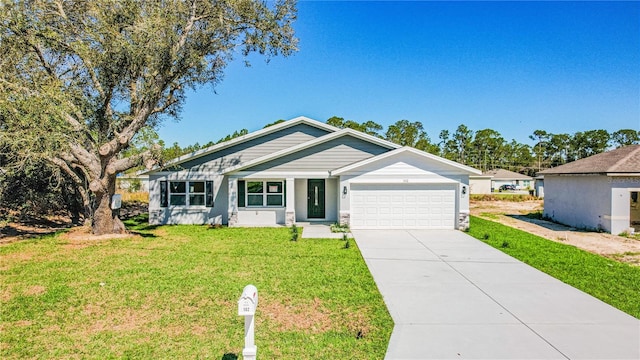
(79, 79)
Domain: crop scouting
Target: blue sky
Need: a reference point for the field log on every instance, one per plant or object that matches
(511, 66)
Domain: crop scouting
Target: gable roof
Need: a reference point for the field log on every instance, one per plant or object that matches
(623, 160)
(245, 138)
(502, 174)
(405, 149)
(312, 143)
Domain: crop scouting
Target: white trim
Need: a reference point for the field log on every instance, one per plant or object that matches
(187, 194)
(244, 138)
(185, 176)
(312, 143)
(395, 152)
(403, 181)
(265, 194)
(295, 175)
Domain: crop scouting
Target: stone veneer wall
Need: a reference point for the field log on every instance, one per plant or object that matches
(463, 220)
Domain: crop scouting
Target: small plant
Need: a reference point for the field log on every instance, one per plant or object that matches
(535, 215)
(295, 233)
(486, 236)
(337, 228)
(505, 244)
(624, 234)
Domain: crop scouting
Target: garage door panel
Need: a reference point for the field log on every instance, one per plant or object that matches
(424, 206)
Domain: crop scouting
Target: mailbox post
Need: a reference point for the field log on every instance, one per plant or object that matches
(247, 307)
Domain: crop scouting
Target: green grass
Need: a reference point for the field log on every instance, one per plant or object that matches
(172, 293)
(615, 283)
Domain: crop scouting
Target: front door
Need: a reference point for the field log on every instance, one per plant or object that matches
(315, 198)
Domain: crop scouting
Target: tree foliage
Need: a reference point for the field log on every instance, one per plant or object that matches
(80, 79)
(487, 149)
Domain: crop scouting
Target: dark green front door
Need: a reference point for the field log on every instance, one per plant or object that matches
(315, 198)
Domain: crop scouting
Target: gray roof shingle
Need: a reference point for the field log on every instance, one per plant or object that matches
(622, 160)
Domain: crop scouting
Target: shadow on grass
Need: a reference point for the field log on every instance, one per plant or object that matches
(537, 219)
(139, 223)
(143, 234)
(229, 356)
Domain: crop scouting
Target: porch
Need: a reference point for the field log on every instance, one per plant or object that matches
(282, 201)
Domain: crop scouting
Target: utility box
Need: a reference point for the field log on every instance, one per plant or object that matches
(116, 201)
(248, 301)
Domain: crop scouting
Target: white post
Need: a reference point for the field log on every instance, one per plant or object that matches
(290, 207)
(250, 349)
(247, 307)
(233, 202)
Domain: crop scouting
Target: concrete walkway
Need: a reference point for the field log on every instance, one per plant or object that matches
(454, 297)
(319, 230)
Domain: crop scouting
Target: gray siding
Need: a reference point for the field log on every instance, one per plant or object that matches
(189, 215)
(327, 156)
(249, 150)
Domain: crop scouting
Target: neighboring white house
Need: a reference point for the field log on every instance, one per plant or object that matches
(133, 182)
(539, 185)
(599, 192)
(480, 184)
(505, 177)
(304, 170)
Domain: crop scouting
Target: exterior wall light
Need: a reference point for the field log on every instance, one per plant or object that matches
(344, 190)
(464, 190)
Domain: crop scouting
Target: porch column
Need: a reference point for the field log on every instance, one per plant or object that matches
(233, 201)
(344, 200)
(290, 206)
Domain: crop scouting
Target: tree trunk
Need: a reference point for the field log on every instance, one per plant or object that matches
(105, 220)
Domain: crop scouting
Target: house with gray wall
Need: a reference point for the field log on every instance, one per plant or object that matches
(599, 192)
(303, 170)
(501, 177)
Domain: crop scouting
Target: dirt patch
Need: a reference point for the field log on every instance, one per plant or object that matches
(81, 236)
(15, 231)
(513, 214)
(312, 317)
(35, 290)
(50, 224)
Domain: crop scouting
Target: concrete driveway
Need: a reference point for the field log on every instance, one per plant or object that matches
(454, 297)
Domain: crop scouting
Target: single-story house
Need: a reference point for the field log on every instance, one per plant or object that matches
(599, 192)
(133, 182)
(480, 184)
(505, 177)
(303, 170)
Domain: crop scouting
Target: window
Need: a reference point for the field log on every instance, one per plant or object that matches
(261, 193)
(177, 193)
(196, 193)
(186, 193)
(274, 193)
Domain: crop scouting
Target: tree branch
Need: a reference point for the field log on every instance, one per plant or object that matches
(147, 157)
(88, 160)
(62, 164)
(43, 61)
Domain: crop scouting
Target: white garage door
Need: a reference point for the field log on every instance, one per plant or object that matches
(403, 206)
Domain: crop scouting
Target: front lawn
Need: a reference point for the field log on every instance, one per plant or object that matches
(615, 283)
(172, 293)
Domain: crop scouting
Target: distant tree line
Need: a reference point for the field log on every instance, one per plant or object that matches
(483, 149)
(38, 187)
(487, 149)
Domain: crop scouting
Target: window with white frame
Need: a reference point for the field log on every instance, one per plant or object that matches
(177, 193)
(186, 193)
(263, 193)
